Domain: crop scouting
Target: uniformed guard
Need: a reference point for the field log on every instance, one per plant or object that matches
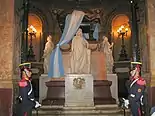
(26, 96)
(136, 87)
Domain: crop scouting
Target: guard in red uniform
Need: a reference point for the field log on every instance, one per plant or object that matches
(26, 96)
(136, 87)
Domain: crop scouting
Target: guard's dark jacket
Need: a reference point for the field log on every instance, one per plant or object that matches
(136, 89)
(27, 98)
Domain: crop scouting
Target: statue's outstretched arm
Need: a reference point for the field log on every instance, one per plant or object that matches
(110, 46)
(86, 43)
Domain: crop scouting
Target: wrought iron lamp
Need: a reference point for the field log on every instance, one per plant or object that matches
(122, 32)
(32, 32)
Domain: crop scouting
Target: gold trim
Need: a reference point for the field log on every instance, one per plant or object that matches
(57, 79)
(25, 64)
(136, 63)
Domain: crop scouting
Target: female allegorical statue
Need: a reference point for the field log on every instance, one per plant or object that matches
(49, 46)
(80, 54)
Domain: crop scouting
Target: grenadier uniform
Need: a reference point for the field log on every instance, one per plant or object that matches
(136, 87)
(26, 96)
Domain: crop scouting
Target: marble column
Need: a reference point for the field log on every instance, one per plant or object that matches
(6, 55)
(24, 46)
(151, 43)
(134, 34)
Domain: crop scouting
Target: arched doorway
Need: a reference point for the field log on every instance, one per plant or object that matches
(121, 34)
(35, 22)
(36, 40)
(117, 22)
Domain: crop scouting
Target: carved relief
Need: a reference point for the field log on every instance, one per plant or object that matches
(94, 15)
(79, 82)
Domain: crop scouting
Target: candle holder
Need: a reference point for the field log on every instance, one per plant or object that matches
(32, 32)
(122, 32)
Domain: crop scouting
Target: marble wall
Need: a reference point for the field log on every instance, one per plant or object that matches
(151, 44)
(151, 37)
(6, 42)
(6, 55)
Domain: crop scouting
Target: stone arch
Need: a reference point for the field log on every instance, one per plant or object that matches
(119, 20)
(116, 22)
(46, 17)
(36, 22)
(41, 14)
(48, 23)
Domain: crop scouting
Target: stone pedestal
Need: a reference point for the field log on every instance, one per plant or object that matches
(102, 92)
(114, 87)
(122, 69)
(79, 90)
(42, 86)
(54, 92)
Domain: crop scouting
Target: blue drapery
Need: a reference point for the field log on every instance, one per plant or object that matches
(96, 31)
(72, 24)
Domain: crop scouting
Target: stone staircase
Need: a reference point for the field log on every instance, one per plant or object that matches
(98, 110)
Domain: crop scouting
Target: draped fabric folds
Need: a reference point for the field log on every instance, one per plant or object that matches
(96, 31)
(72, 23)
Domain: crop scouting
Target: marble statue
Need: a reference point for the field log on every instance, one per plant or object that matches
(106, 48)
(80, 54)
(49, 46)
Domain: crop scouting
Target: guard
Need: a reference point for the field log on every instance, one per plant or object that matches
(26, 96)
(136, 86)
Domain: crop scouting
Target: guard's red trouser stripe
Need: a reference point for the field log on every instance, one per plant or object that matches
(25, 114)
(139, 112)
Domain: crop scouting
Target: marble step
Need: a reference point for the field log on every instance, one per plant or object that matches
(111, 106)
(99, 110)
(83, 115)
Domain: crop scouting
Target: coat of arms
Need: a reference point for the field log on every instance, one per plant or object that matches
(79, 82)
